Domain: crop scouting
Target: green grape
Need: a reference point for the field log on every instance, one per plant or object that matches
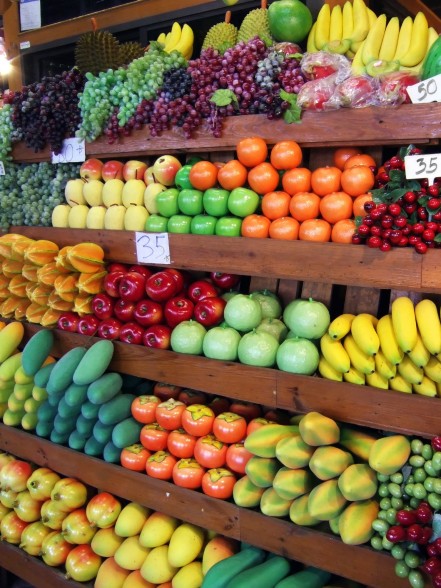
(429, 469)
(412, 559)
(394, 489)
(402, 569)
(383, 490)
(380, 526)
(387, 544)
(396, 503)
(416, 446)
(385, 503)
(397, 478)
(6, 129)
(416, 461)
(398, 551)
(377, 542)
(419, 491)
(416, 579)
(391, 516)
(427, 451)
(419, 475)
(383, 477)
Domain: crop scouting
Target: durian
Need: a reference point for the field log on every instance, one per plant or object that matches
(129, 51)
(221, 36)
(256, 24)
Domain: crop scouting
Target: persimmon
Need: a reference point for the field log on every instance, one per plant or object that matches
(275, 204)
(357, 180)
(343, 230)
(255, 225)
(252, 151)
(342, 154)
(297, 180)
(232, 175)
(336, 206)
(304, 206)
(203, 175)
(358, 204)
(285, 228)
(361, 159)
(286, 155)
(317, 230)
(325, 179)
(263, 178)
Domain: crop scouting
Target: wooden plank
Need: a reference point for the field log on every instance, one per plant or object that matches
(431, 271)
(317, 291)
(359, 300)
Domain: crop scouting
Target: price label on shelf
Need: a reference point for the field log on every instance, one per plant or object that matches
(423, 166)
(426, 91)
(73, 151)
(2, 168)
(152, 248)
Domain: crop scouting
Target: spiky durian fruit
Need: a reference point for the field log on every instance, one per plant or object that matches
(129, 51)
(256, 24)
(221, 36)
(97, 51)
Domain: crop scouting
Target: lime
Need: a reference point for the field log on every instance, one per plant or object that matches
(289, 20)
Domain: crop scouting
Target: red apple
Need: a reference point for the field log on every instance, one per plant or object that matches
(117, 267)
(165, 169)
(178, 309)
(112, 169)
(68, 321)
(157, 336)
(88, 325)
(124, 310)
(132, 286)
(111, 282)
(149, 178)
(91, 169)
(201, 289)
(141, 269)
(110, 328)
(102, 305)
(134, 170)
(224, 281)
(210, 311)
(131, 333)
(181, 277)
(148, 312)
(161, 286)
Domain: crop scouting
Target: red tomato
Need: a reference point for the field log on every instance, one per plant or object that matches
(248, 410)
(229, 427)
(219, 483)
(210, 452)
(144, 408)
(165, 391)
(154, 437)
(134, 457)
(188, 473)
(188, 397)
(237, 457)
(160, 465)
(197, 419)
(256, 423)
(169, 414)
(180, 443)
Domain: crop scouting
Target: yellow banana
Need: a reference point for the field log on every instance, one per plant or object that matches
(416, 69)
(161, 39)
(175, 35)
(418, 41)
(348, 20)
(372, 44)
(357, 66)
(364, 333)
(310, 43)
(354, 376)
(404, 323)
(433, 370)
(335, 354)
(360, 360)
(404, 36)
(341, 326)
(390, 39)
(429, 325)
(426, 388)
(377, 381)
(186, 41)
(409, 371)
(361, 23)
(327, 371)
(323, 22)
(383, 366)
(420, 355)
(336, 24)
(399, 384)
(372, 17)
(388, 342)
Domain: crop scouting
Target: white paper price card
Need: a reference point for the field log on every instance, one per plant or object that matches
(2, 168)
(423, 166)
(72, 151)
(152, 248)
(426, 91)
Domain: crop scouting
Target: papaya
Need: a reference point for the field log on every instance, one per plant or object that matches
(272, 505)
(358, 482)
(246, 494)
(111, 453)
(263, 441)
(326, 500)
(10, 338)
(262, 470)
(290, 484)
(299, 513)
(357, 442)
(329, 462)
(224, 571)
(388, 454)
(104, 388)
(86, 257)
(355, 522)
(317, 429)
(116, 409)
(293, 452)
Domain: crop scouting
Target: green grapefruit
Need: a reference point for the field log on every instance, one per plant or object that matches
(289, 20)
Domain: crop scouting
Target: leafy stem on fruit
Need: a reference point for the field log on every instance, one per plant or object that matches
(224, 98)
(293, 113)
(395, 188)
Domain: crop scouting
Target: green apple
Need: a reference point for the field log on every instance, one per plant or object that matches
(112, 192)
(307, 318)
(93, 192)
(298, 356)
(156, 224)
(179, 223)
(243, 202)
(182, 180)
(270, 303)
(73, 192)
(114, 217)
(228, 226)
(133, 192)
(275, 327)
(188, 337)
(60, 216)
(221, 342)
(258, 348)
(135, 218)
(190, 201)
(95, 217)
(203, 224)
(167, 202)
(243, 313)
(150, 193)
(215, 201)
(77, 216)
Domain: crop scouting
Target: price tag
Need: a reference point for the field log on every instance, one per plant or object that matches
(2, 169)
(153, 248)
(73, 150)
(426, 91)
(423, 166)
(25, 45)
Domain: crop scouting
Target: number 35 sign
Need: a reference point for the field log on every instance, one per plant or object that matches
(152, 248)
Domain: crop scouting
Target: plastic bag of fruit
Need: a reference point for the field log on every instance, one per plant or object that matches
(322, 64)
(392, 90)
(318, 95)
(357, 91)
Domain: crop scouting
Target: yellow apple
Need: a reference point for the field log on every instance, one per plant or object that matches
(112, 192)
(150, 193)
(95, 217)
(114, 218)
(133, 193)
(77, 216)
(93, 192)
(60, 216)
(135, 218)
(73, 192)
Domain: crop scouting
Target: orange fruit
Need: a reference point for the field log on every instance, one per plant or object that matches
(275, 204)
(325, 180)
(360, 159)
(343, 230)
(285, 228)
(203, 175)
(304, 205)
(297, 180)
(317, 230)
(255, 225)
(357, 180)
(342, 154)
(252, 151)
(232, 175)
(263, 178)
(286, 155)
(358, 204)
(336, 206)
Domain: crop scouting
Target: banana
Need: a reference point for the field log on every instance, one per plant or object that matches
(359, 360)
(404, 323)
(388, 342)
(348, 20)
(161, 39)
(175, 35)
(336, 24)
(418, 41)
(327, 371)
(376, 380)
(372, 17)
(429, 325)
(357, 66)
(310, 43)
(383, 366)
(185, 44)
(433, 370)
(364, 333)
(372, 44)
(354, 376)
(420, 355)
(390, 39)
(322, 29)
(404, 36)
(399, 384)
(416, 69)
(341, 326)
(361, 23)
(335, 354)
(409, 371)
(426, 388)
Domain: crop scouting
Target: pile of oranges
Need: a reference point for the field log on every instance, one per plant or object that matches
(297, 202)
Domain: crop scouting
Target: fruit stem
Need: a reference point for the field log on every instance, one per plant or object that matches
(228, 16)
(263, 4)
(94, 24)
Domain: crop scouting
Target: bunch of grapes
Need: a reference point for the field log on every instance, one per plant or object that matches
(6, 129)
(291, 76)
(9, 194)
(47, 112)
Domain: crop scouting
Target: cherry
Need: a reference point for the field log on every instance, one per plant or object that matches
(385, 246)
(396, 162)
(396, 533)
(430, 244)
(414, 532)
(437, 216)
(376, 231)
(406, 517)
(418, 228)
(433, 190)
(424, 514)
(385, 233)
(403, 242)
(395, 236)
(376, 214)
(374, 242)
(437, 543)
(424, 182)
(394, 209)
(422, 213)
(356, 239)
(387, 222)
(382, 207)
(431, 550)
(436, 580)
(433, 203)
(383, 177)
(426, 535)
(369, 206)
(400, 222)
(415, 151)
(421, 247)
(432, 566)
(436, 443)
(387, 165)
(428, 235)
(410, 197)
(406, 230)
(410, 208)
(368, 220)
(414, 239)
(363, 230)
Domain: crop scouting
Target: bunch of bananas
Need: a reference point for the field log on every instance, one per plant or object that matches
(178, 39)
(400, 351)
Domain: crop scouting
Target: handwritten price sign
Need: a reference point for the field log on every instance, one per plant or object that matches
(426, 91)
(2, 168)
(73, 151)
(152, 248)
(423, 166)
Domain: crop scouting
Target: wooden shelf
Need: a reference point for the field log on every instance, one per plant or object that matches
(310, 546)
(408, 123)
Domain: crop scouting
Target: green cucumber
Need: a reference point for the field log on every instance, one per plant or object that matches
(75, 395)
(222, 572)
(111, 453)
(76, 441)
(36, 351)
(89, 410)
(116, 410)
(66, 411)
(310, 577)
(102, 433)
(94, 447)
(104, 388)
(85, 426)
(41, 378)
(94, 363)
(265, 575)
(62, 374)
(126, 433)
